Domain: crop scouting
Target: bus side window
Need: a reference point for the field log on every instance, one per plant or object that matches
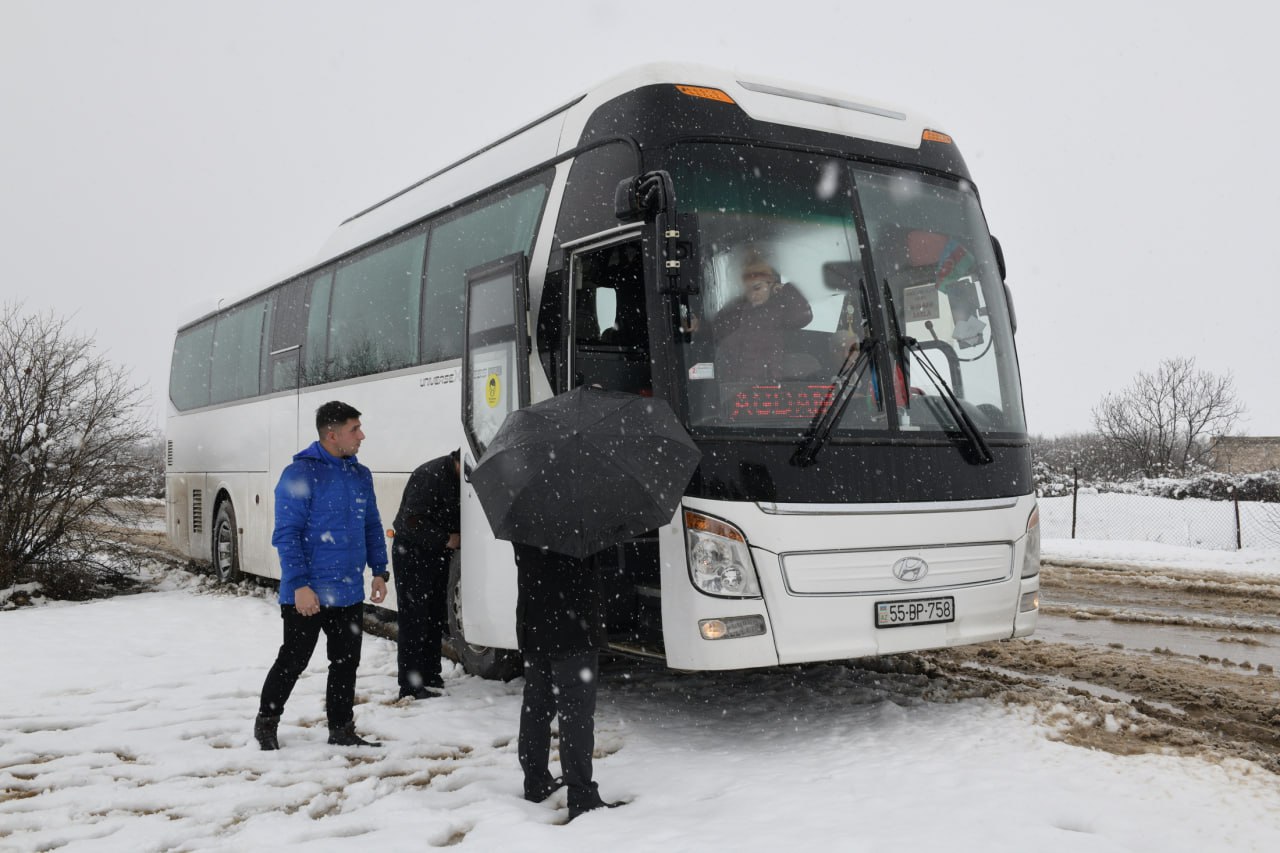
(237, 353)
(494, 226)
(315, 365)
(189, 370)
(376, 303)
(288, 323)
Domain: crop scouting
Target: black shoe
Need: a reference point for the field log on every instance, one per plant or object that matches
(264, 731)
(542, 790)
(345, 735)
(577, 810)
(421, 693)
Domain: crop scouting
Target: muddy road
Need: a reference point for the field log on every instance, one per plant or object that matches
(1139, 660)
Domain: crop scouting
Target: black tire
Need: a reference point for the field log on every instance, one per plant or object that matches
(482, 661)
(225, 548)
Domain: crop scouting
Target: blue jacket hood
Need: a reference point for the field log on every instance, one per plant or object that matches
(315, 450)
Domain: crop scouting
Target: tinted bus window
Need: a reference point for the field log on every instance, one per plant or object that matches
(237, 353)
(373, 314)
(491, 230)
(189, 371)
(288, 324)
(315, 365)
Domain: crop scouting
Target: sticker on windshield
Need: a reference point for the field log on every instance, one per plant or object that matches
(703, 370)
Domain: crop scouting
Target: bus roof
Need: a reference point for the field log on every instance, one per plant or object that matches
(775, 101)
(763, 99)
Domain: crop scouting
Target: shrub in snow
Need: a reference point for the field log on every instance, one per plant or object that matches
(68, 465)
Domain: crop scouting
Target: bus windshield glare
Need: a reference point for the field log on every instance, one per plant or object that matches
(803, 258)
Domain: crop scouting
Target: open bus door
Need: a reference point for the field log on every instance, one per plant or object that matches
(495, 369)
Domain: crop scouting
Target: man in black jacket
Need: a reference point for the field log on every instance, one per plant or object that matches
(427, 532)
(560, 628)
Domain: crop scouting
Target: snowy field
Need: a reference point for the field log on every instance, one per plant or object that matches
(125, 726)
(1193, 522)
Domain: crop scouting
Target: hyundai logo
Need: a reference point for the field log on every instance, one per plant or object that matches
(910, 569)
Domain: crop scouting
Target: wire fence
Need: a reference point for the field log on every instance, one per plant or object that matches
(1225, 525)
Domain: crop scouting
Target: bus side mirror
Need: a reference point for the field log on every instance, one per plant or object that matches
(644, 197)
(626, 206)
(1013, 315)
(995, 246)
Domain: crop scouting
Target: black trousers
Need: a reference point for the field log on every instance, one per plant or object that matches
(564, 686)
(421, 577)
(343, 629)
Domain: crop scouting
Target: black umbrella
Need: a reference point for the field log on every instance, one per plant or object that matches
(585, 470)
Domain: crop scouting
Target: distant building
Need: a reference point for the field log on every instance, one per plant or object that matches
(1245, 454)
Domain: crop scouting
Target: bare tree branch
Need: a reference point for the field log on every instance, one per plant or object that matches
(1161, 424)
(69, 429)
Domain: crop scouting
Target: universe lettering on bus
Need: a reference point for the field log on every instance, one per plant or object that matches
(793, 402)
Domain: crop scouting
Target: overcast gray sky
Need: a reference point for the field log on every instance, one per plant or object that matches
(155, 156)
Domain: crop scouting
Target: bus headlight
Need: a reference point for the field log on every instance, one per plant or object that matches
(1031, 556)
(719, 562)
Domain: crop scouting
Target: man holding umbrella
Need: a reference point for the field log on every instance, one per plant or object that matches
(560, 626)
(563, 480)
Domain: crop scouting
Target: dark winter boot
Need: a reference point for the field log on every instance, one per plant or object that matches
(579, 806)
(345, 735)
(536, 792)
(264, 731)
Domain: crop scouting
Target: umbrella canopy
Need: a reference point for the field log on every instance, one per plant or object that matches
(585, 470)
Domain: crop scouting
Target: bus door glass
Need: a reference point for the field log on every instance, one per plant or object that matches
(609, 346)
(495, 369)
(496, 358)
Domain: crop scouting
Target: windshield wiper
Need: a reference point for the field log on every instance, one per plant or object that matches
(962, 418)
(847, 381)
(963, 421)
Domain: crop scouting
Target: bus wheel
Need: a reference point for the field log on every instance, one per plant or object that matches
(226, 545)
(483, 661)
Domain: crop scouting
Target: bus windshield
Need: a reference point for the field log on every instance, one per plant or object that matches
(805, 258)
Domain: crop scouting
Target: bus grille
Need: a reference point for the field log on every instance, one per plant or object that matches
(872, 571)
(168, 453)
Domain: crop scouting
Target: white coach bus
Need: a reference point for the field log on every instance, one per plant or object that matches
(867, 491)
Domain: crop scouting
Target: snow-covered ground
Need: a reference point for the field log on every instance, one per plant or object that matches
(1123, 554)
(1192, 522)
(125, 726)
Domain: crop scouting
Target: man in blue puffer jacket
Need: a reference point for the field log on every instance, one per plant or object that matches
(327, 530)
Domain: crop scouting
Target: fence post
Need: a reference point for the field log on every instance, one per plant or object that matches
(1235, 499)
(1075, 490)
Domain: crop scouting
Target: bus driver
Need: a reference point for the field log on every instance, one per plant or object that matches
(748, 332)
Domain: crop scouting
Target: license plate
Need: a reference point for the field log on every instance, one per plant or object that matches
(915, 611)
